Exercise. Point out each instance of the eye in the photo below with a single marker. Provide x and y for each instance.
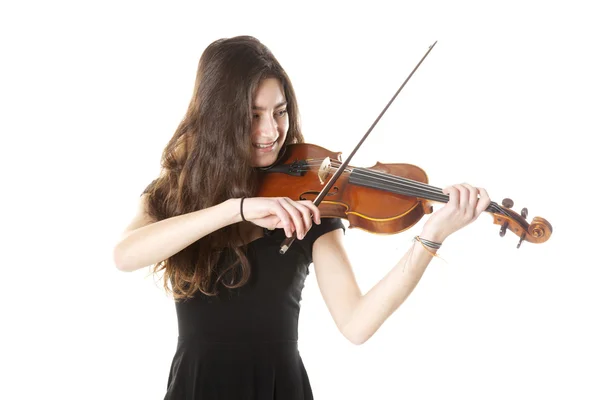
(281, 113)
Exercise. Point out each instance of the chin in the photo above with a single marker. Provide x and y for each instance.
(268, 159)
(263, 162)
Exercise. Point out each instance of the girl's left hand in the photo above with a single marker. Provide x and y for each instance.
(464, 206)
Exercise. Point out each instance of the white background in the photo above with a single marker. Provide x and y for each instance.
(507, 99)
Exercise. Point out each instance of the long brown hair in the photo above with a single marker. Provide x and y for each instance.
(207, 161)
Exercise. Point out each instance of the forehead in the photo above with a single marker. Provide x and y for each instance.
(269, 93)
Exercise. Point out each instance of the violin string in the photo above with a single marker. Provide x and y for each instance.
(383, 175)
(407, 186)
(391, 182)
(420, 187)
(402, 183)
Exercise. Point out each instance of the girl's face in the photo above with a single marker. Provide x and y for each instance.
(270, 122)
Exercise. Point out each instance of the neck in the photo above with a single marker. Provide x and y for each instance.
(403, 186)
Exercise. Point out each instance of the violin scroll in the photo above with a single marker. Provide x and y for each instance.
(538, 231)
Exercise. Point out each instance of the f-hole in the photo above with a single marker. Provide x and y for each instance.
(334, 190)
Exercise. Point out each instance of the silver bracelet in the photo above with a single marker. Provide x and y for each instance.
(428, 243)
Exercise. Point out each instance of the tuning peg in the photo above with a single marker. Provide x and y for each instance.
(503, 229)
(521, 240)
(524, 212)
(508, 203)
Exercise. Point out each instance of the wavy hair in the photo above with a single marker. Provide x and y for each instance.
(208, 160)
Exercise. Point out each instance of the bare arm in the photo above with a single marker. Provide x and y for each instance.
(359, 316)
(146, 242)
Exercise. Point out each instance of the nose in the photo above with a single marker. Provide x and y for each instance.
(267, 129)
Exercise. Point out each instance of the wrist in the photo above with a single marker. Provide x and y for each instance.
(432, 234)
(233, 210)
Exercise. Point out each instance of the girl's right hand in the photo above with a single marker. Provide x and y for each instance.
(282, 213)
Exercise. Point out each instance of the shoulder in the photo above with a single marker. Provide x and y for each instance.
(322, 234)
(149, 188)
(326, 225)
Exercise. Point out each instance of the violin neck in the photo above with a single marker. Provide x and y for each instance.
(403, 186)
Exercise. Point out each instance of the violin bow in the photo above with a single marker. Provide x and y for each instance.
(285, 245)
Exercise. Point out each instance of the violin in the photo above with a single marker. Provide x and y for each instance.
(385, 198)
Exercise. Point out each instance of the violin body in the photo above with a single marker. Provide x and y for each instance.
(384, 199)
(370, 209)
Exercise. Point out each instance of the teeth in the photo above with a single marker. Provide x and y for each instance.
(263, 146)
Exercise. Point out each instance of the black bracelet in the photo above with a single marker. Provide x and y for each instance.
(242, 209)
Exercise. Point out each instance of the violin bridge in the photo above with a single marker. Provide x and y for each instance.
(324, 170)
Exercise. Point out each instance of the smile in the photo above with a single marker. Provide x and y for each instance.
(264, 146)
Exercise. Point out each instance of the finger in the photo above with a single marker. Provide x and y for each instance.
(453, 196)
(286, 222)
(313, 210)
(484, 201)
(471, 202)
(316, 213)
(271, 222)
(286, 203)
(306, 215)
(472, 195)
(463, 201)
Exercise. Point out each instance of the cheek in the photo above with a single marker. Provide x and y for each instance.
(255, 130)
(284, 126)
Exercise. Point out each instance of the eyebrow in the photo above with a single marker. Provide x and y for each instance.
(283, 103)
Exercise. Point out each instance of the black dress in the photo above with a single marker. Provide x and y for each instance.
(242, 344)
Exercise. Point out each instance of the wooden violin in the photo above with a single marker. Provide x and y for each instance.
(384, 198)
